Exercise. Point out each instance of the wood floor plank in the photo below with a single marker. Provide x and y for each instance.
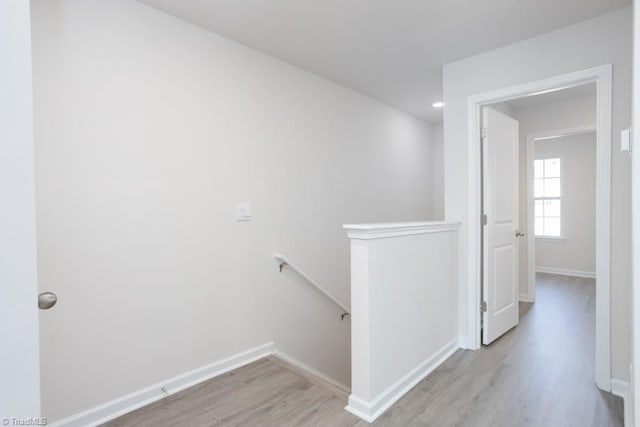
(540, 373)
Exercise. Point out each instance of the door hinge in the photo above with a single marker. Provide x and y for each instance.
(483, 306)
(484, 220)
(483, 133)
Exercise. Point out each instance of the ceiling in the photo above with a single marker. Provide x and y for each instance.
(553, 97)
(391, 50)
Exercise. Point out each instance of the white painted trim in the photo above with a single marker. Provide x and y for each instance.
(110, 410)
(20, 384)
(123, 405)
(561, 133)
(287, 358)
(634, 392)
(395, 229)
(370, 411)
(566, 272)
(621, 388)
(524, 298)
(551, 239)
(530, 139)
(602, 75)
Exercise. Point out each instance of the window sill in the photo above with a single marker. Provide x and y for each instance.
(551, 238)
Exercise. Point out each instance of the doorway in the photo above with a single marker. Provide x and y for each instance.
(601, 77)
(548, 242)
(538, 199)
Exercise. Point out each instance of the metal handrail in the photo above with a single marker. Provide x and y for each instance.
(284, 261)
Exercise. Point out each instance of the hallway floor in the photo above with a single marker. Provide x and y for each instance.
(541, 373)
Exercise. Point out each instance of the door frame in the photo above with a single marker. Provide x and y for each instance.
(20, 360)
(602, 76)
(634, 392)
(531, 139)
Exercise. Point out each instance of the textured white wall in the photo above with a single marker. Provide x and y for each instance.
(603, 40)
(148, 132)
(577, 250)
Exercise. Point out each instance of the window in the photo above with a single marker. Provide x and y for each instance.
(547, 193)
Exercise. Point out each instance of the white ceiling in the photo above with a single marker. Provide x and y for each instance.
(553, 97)
(391, 50)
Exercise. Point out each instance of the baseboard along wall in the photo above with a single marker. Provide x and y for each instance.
(371, 410)
(118, 407)
(566, 272)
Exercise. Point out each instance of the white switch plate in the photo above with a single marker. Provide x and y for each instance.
(243, 211)
(625, 141)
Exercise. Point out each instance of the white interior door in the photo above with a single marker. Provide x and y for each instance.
(500, 234)
(19, 358)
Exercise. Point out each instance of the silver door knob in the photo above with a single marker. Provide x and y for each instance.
(46, 300)
(519, 234)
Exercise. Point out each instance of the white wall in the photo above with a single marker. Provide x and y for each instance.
(576, 251)
(606, 39)
(570, 113)
(19, 365)
(148, 132)
(437, 170)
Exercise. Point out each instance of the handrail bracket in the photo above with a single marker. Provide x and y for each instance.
(282, 264)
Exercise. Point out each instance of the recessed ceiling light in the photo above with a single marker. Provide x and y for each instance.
(438, 104)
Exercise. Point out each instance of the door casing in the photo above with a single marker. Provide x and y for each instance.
(602, 76)
(20, 355)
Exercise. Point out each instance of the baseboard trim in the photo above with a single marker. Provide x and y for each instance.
(110, 410)
(566, 272)
(312, 374)
(370, 411)
(525, 298)
(621, 388)
(464, 344)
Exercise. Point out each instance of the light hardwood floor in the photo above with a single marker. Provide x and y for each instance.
(541, 373)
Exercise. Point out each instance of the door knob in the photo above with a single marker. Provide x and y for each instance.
(46, 300)
(519, 234)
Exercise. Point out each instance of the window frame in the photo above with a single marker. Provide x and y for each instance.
(560, 198)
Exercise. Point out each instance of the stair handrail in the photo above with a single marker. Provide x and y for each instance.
(284, 261)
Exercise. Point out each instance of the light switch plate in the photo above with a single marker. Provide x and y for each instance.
(243, 211)
(625, 141)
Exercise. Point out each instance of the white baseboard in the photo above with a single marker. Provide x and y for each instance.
(312, 373)
(462, 343)
(371, 410)
(566, 272)
(110, 410)
(118, 407)
(621, 388)
(525, 298)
